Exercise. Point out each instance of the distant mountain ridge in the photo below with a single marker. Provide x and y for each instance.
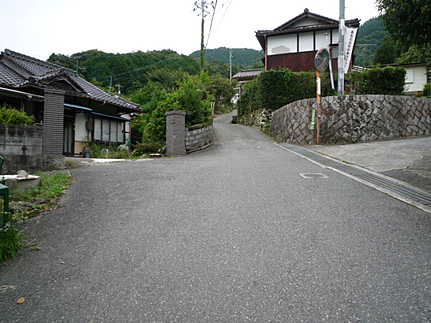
(245, 57)
(370, 37)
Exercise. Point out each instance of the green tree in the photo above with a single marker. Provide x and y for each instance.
(408, 21)
(387, 53)
(191, 96)
(416, 54)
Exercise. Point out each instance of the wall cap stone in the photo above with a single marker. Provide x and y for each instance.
(176, 112)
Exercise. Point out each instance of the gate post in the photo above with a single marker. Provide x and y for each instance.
(175, 133)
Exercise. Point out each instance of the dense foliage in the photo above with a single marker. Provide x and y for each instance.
(416, 54)
(388, 52)
(387, 80)
(130, 71)
(194, 94)
(276, 88)
(407, 21)
(240, 56)
(12, 116)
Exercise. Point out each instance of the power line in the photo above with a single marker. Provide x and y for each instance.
(211, 24)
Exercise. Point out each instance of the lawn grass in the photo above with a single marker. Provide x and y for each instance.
(29, 203)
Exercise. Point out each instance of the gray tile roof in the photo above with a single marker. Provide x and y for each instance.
(17, 70)
(247, 74)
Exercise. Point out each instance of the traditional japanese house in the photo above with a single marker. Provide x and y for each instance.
(72, 110)
(294, 44)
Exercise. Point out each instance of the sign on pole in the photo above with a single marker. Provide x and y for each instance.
(349, 43)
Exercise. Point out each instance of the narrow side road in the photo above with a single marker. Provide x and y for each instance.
(230, 234)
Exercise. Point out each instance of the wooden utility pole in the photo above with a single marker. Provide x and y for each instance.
(203, 4)
(318, 96)
(341, 48)
(230, 65)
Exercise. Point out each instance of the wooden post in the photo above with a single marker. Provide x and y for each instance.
(318, 94)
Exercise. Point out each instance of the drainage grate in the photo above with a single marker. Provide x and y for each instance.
(404, 191)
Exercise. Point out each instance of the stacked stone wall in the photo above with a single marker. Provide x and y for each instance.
(197, 139)
(351, 119)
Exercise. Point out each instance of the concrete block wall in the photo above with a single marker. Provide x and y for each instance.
(19, 140)
(22, 147)
(351, 119)
(197, 139)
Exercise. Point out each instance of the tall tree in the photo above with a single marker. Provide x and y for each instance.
(388, 52)
(408, 21)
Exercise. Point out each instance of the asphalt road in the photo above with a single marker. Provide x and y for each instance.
(231, 234)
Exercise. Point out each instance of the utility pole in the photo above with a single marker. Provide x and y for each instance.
(203, 4)
(230, 65)
(341, 48)
(110, 83)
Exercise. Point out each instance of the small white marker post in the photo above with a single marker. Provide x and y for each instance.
(320, 63)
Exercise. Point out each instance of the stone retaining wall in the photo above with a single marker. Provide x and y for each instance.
(197, 139)
(351, 119)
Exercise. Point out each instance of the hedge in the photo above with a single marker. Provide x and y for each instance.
(381, 80)
(276, 88)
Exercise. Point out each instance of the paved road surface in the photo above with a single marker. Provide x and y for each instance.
(407, 159)
(232, 234)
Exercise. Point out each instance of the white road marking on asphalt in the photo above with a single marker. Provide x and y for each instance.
(383, 190)
(312, 175)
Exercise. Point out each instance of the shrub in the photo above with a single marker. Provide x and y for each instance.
(248, 99)
(191, 96)
(108, 151)
(427, 90)
(148, 148)
(11, 241)
(381, 80)
(12, 116)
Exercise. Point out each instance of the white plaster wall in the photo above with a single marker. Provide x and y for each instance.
(97, 129)
(282, 44)
(306, 42)
(416, 78)
(80, 130)
(335, 36)
(323, 39)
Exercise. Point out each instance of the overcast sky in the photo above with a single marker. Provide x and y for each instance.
(41, 27)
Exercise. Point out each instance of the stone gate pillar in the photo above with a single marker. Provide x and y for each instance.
(53, 122)
(175, 133)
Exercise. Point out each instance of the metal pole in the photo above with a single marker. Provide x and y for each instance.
(318, 94)
(341, 48)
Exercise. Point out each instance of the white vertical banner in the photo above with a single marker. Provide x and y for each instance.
(349, 43)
